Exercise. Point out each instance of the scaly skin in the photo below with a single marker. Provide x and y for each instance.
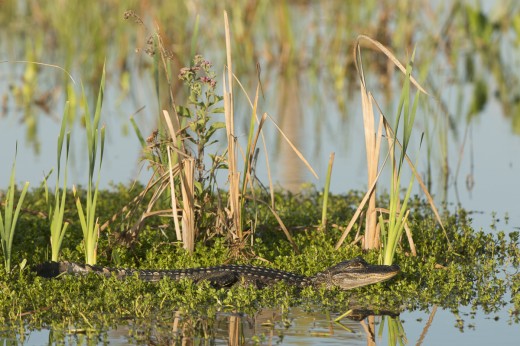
(345, 275)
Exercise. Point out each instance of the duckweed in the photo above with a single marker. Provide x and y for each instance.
(478, 270)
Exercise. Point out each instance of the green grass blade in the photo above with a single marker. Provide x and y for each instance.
(249, 148)
(102, 149)
(326, 190)
(81, 213)
(138, 133)
(9, 203)
(15, 217)
(95, 137)
(193, 48)
(8, 222)
(58, 209)
(99, 103)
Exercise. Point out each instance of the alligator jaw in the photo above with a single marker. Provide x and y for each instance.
(355, 273)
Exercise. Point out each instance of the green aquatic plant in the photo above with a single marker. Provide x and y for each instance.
(57, 207)
(467, 276)
(373, 138)
(199, 113)
(177, 150)
(396, 332)
(178, 153)
(9, 220)
(378, 228)
(95, 145)
(392, 228)
(326, 190)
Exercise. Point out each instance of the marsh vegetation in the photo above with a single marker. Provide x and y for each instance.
(210, 73)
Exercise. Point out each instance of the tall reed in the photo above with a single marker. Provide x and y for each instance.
(95, 146)
(235, 214)
(373, 135)
(8, 222)
(57, 207)
(237, 190)
(326, 190)
(392, 228)
(178, 152)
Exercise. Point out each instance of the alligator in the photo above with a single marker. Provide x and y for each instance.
(345, 275)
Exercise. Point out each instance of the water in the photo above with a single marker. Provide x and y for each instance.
(488, 157)
(436, 327)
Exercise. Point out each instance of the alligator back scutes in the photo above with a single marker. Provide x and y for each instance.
(345, 275)
(228, 275)
(218, 276)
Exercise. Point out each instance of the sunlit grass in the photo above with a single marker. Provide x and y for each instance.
(234, 198)
(326, 191)
(57, 207)
(10, 218)
(178, 151)
(95, 146)
(391, 227)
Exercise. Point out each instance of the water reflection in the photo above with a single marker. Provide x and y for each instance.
(465, 53)
(291, 121)
(270, 326)
(267, 327)
(465, 50)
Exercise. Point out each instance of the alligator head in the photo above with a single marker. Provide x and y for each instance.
(354, 273)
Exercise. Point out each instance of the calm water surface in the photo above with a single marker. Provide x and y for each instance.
(438, 327)
(488, 157)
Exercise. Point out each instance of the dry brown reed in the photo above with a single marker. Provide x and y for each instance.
(373, 137)
(234, 213)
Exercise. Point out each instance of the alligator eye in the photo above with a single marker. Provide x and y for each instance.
(357, 263)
